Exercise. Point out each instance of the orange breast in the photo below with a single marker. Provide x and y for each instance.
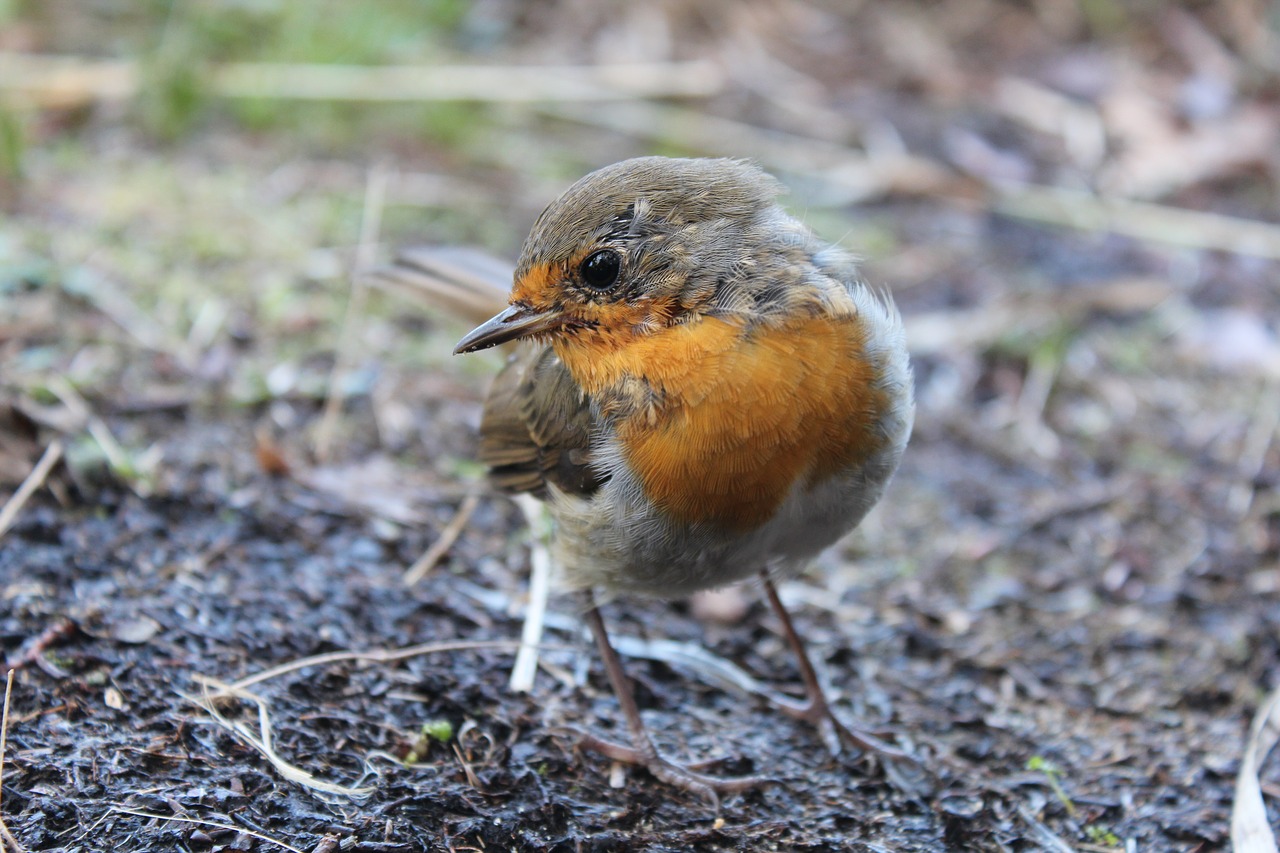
(745, 416)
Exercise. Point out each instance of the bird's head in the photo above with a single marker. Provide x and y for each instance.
(634, 248)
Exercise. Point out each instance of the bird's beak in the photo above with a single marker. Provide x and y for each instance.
(518, 321)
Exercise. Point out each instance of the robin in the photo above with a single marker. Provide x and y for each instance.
(706, 393)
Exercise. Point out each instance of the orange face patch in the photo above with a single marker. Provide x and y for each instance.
(612, 324)
(537, 286)
(746, 415)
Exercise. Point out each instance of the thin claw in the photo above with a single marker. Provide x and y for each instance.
(835, 732)
(676, 775)
(833, 736)
(904, 770)
(817, 711)
(644, 753)
(610, 748)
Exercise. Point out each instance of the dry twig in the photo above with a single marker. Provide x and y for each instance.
(262, 740)
(33, 481)
(441, 546)
(698, 78)
(373, 656)
(472, 779)
(53, 82)
(7, 841)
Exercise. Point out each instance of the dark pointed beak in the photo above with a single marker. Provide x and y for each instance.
(518, 321)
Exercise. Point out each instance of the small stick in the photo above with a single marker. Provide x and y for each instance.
(525, 668)
(4, 729)
(697, 78)
(262, 742)
(53, 81)
(33, 481)
(441, 546)
(472, 779)
(7, 841)
(375, 656)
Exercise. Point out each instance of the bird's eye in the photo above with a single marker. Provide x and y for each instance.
(600, 270)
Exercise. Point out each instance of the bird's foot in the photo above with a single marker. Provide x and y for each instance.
(686, 777)
(835, 733)
(904, 770)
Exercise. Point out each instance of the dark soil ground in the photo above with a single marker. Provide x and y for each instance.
(1068, 605)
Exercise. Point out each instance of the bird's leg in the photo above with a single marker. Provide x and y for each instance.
(643, 752)
(816, 709)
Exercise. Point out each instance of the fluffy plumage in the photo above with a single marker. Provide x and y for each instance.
(737, 401)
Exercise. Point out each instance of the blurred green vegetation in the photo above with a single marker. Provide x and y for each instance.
(183, 242)
(337, 31)
(173, 40)
(12, 146)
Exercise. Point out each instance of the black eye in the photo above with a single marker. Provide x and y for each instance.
(600, 270)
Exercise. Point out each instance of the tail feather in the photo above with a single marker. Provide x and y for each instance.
(466, 283)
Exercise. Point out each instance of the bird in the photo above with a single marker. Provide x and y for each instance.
(700, 389)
